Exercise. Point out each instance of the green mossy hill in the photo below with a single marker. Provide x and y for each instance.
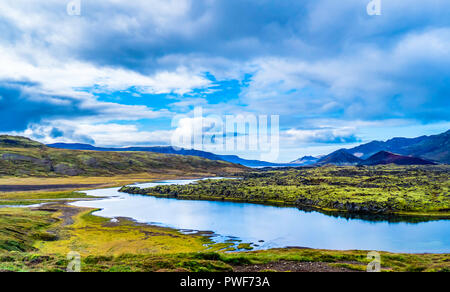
(381, 189)
(7, 141)
(23, 157)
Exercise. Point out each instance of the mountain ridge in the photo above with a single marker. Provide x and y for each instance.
(385, 157)
(171, 150)
(20, 156)
(433, 147)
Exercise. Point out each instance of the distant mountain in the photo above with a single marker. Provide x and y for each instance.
(305, 160)
(75, 146)
(156, 149)
(384, 157)
(249, 163)
(171, 150)
(340, 157)
(434, 148)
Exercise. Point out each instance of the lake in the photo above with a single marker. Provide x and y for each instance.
(271, 227)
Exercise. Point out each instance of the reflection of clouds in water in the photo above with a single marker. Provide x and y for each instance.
(278, 227)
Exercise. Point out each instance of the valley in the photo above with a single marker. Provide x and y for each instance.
(45, 195)
(38, 239)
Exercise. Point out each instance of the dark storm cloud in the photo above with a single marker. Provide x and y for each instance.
(24, 103)
(319, 31)
(126, 34)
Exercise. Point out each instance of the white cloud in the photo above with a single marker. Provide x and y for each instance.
(325, 135)
(320, 64)
(103, 135)
(64, 78)
(363, 84)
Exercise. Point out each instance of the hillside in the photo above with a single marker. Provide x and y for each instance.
(169, 150)
(24, 157)
(435, 148)
(340, 157)
(384, 157)
(18, 142)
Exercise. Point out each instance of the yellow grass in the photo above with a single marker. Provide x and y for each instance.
(92, 235)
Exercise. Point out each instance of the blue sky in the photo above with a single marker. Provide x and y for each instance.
(119, 73)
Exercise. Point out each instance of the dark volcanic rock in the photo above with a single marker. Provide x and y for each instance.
(17, 157)
(66, 170)
(384, 157)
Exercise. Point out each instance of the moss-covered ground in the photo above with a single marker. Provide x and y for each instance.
(39, 240)
(407, 190)
(22, 157)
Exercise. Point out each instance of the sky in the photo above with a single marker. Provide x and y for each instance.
(121, 72)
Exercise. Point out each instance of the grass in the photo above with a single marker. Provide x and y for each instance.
(96, 235)
(42, 195)
(20, 228)
(34, 198)
(406, 190)
(221, 262)
(40, 241)
(101, 181)
(21, 157)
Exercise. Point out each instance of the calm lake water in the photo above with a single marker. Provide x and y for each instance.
(270, 227)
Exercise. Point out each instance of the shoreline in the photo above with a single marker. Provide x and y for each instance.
(289, 258)
(391, 218)
(307, 208)
(30, 185)
(384, 191)
(207, 235)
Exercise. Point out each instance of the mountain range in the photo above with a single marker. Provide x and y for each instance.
(172, 150)
(343, 158)
(435, 148)
(420, 150)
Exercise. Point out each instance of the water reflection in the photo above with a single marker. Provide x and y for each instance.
(269, 227)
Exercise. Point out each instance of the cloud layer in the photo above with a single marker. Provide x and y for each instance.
(326, 67)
